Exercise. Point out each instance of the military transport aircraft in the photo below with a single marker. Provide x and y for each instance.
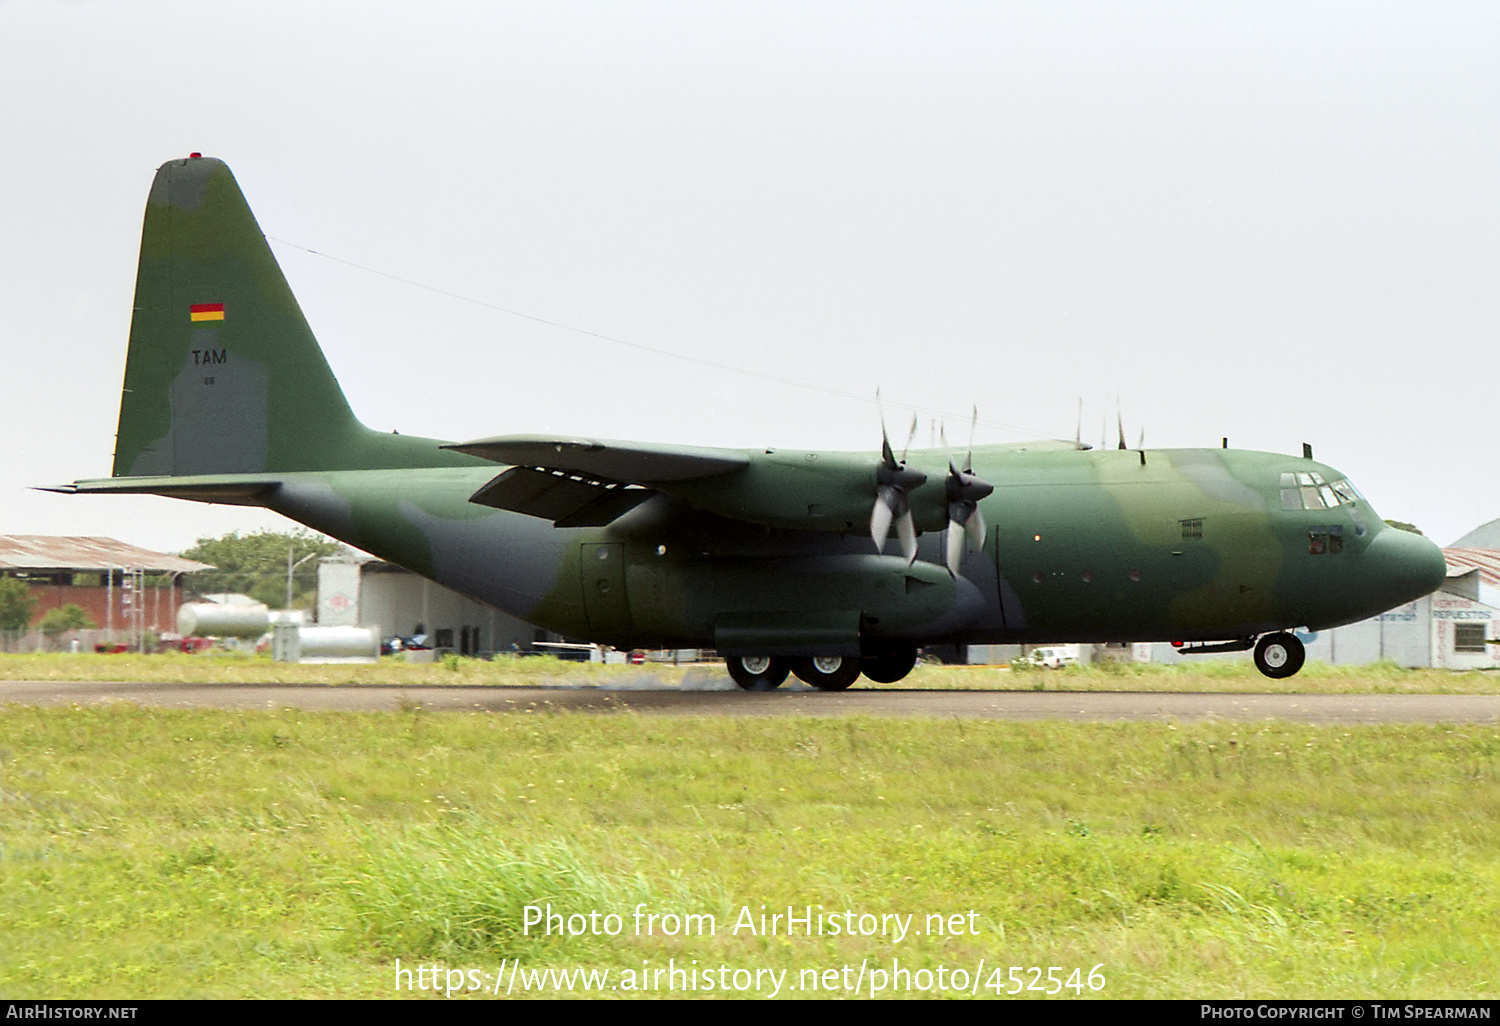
(775, 558)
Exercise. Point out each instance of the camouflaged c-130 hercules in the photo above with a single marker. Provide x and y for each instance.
(773, 557)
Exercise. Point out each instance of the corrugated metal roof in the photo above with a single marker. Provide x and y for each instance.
(48, 552)
(1486, 561)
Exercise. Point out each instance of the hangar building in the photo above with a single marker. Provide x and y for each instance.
(366, 592)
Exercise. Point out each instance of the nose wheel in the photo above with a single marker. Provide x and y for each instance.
(1279, 655)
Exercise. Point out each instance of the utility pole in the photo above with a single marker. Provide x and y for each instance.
(290, 566)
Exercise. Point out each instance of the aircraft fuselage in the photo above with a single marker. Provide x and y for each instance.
(1100, 545)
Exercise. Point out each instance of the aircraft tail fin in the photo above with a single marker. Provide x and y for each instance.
(224, 375)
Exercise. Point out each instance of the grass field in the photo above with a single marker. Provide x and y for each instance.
(1207, 676)
(153, 853)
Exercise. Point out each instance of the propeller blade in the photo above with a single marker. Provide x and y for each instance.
(906, 530)
(966, 521)
(976, 528)
(1120, 423)
(880, 523)
(969, 459)
(955, 547)
(885, 437)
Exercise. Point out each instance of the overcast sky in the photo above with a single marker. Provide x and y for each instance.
(1278, 222)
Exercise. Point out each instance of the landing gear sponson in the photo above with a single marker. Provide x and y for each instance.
(826, 673)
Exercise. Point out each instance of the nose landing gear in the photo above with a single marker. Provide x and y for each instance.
(1279, 655)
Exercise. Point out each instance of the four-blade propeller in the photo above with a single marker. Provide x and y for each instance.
(965, 489)
(894, 481)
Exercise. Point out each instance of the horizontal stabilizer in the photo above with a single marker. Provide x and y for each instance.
(624, 462)
(229, 489)
(565, 499)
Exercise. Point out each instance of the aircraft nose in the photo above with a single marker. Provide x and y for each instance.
(1408, 566)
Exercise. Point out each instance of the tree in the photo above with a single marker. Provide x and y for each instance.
(71, 617)
(256, 564)
(1402, 525)
(17, 604)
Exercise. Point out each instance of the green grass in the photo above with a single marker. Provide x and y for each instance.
(1208, 675)
(172, 853)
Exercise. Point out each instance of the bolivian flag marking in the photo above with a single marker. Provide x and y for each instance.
(206, 312)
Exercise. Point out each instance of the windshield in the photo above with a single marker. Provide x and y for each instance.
(1308, 490)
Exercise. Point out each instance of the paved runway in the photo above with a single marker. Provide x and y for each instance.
(714, 701)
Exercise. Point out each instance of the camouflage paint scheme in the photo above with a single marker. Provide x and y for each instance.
(749, 551)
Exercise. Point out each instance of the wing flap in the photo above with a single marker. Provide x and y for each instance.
(565, 499)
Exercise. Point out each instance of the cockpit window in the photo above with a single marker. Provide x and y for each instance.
(1321, 540)
(1305, 490)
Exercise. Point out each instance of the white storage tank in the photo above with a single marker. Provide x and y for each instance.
(216, 620)
(340, 644)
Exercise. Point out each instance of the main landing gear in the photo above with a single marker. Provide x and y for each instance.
(1279, 655)
(826, 673)
(758, 673)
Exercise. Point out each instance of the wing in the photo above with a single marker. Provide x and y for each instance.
(634, 462)
(584, 482)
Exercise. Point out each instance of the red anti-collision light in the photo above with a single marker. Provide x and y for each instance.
(195, 156)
